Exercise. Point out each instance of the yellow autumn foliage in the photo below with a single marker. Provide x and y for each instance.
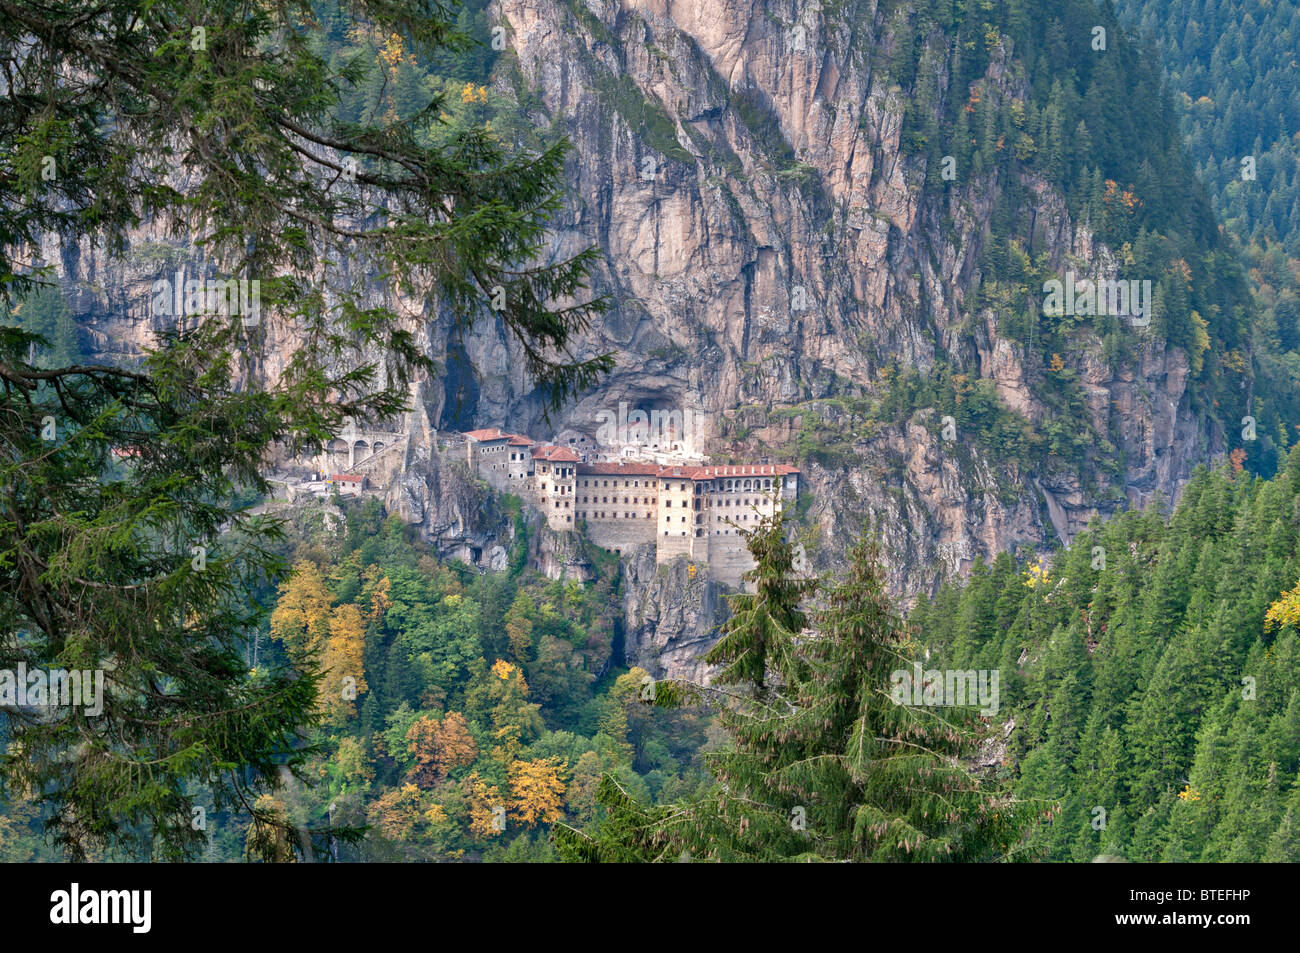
(1036, 575)
(537, 791)
(1285, 611)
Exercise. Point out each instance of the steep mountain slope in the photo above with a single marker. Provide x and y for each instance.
(1234, 68)
(786, 253)
(1148, 675)
(827, 228)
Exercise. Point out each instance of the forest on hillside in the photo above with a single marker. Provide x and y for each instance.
(314, 681)
(1235, 75)
(1150, 671)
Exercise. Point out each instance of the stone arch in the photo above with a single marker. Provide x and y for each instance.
(360, 450)
(336, 455)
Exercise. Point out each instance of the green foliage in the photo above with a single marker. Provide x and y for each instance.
(114, 475)
(512, 654)
(1152, 705)
(1231, 68)
(821, 762)
(1029, 95)
(757, 643)
(45, 313)
(647, 119)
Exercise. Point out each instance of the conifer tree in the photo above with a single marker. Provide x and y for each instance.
(823, 763)
(883, 779)
(121, 549)
(757, 644)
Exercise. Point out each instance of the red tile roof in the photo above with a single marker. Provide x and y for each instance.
(553, 454)
(737, 470)
(496, 433)
(686, 472)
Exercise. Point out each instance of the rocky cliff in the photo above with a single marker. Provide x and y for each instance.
(670, 616)
(770, 250)
(772, 257)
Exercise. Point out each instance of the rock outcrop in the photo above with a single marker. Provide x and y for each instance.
(670, 616)
(768, 246)
(769, 250)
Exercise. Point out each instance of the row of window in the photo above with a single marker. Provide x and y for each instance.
(565, 472)
(601, 515)
(637, 501)
(731, 486)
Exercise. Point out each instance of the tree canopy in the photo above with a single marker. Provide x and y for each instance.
(120, 547)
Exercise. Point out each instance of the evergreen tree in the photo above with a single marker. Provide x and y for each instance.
(882, 777)
(822, 763)
(121, 547)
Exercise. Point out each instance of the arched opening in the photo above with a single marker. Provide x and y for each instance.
(337, 453)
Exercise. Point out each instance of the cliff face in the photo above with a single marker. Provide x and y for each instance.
(670, 616)
(768, 246)
(457, 513)
(769, 251)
